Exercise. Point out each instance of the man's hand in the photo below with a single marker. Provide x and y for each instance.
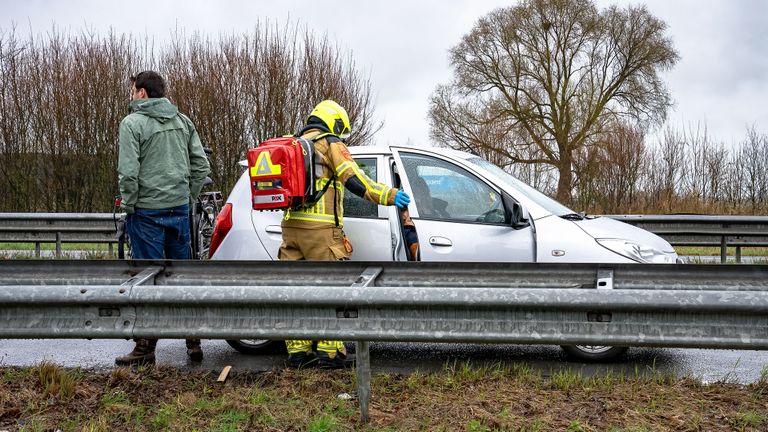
(402, 199)
(126, 208)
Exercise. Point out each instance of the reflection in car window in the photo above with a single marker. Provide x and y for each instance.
(444, 191)
(539, 198)
(354, 206)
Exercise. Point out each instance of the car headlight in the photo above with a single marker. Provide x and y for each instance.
(638, 252)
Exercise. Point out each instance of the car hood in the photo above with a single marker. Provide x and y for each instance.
(605, 227)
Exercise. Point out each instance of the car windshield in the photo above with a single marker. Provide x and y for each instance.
(539, 198)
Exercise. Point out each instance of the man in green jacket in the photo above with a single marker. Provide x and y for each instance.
(161, 167)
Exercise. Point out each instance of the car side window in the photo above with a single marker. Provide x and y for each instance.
(354, 206)
(444, 191)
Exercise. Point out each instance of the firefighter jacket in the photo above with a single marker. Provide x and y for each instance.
(337, 165)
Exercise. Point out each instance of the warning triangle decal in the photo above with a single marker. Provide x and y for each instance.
(264, 166)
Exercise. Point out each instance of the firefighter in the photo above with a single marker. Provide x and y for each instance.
(315, 233)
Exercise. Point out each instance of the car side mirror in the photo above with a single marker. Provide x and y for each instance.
(514, 213)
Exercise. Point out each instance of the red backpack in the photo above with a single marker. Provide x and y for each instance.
(282, 173)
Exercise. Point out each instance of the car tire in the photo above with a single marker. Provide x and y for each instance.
(256, 346)
(593, 353)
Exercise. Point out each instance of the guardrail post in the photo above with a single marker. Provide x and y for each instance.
(363, 362)
(37, 249)
(723, 250)
(738, 254)
(363, 378)
(58, 245)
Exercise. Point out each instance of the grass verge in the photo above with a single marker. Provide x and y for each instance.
(96, 247)
(715, 251)
(459, 398)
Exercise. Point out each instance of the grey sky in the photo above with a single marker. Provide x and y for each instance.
(721, 78)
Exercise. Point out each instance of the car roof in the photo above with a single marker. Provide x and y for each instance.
(387, 150)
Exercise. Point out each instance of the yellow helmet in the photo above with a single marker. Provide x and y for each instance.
(334, 116)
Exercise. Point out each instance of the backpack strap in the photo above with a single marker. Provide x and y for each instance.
(330, 138)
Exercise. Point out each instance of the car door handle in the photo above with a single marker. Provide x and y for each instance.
(274, 229)
(440, 241)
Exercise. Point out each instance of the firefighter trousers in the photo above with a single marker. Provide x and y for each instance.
(325, 244)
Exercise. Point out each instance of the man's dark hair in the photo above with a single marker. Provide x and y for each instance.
(150, 81)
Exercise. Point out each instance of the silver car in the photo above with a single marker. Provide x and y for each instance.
(464, 208)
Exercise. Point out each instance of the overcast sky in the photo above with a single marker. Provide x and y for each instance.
(721, 78)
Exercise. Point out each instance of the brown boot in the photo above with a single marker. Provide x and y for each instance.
(194, 351)
(143, 353)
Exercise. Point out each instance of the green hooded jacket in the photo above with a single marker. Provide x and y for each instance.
(162, 163)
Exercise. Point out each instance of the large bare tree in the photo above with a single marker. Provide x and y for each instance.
(551, 74)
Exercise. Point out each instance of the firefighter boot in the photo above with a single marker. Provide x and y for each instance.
(143, 353)
(194, 351)
(337, 360)
(333, 355)
(302, 360)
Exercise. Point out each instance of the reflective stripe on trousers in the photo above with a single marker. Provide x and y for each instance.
(327, 346)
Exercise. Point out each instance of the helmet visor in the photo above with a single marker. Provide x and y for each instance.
(340, 129)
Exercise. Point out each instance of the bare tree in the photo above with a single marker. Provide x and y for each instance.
(62, 98)
(694, 184)
(754, 179)
(243, 89)
(732, 189)
(610, 171)
(551, 74)
(716, 160)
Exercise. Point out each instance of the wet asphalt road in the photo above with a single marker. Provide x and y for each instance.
(704, 365)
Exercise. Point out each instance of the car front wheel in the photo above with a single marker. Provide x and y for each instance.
(593, 353)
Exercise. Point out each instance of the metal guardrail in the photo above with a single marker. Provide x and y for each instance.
(705, 306)
(705, 230)
(58, 228)
(678, 230)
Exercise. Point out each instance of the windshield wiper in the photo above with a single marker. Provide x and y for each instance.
(578, 216)
(573, 216)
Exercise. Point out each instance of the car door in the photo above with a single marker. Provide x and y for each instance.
(365, 223)
(459, 215)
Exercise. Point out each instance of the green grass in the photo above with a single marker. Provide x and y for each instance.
(462, 396)
(566, 379)
(475, 425)
(323, 423)
(750, 419)
(715, 251)
(165, 414)
(90, 251)
(52, 246)
(56, 381)
(630, 429)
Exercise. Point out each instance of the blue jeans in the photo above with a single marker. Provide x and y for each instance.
(159, 233)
